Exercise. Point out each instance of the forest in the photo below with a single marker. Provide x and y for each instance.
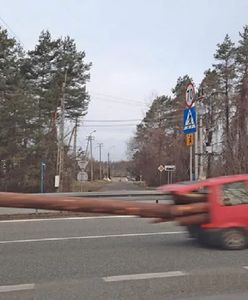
(32, 84)
(223, 104)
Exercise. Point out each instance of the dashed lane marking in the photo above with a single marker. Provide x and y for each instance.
(15, 288)
(143, 276)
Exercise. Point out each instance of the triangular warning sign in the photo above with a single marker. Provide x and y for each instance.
(189, 123)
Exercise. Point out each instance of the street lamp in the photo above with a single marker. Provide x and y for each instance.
(42, 176)
(92, 132)
(108, 173)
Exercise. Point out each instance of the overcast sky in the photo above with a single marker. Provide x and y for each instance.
(138, 49)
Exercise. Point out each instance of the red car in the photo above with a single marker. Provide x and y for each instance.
(228, 201)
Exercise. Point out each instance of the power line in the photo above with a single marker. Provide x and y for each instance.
(117, 99)
(120, 102)
(175, 116)
(114, 121)
(118, 125)
(120, 98)
(109, 125)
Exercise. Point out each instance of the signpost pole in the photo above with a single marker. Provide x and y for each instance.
(190, 163)
(189, 121)
(42, 171)
(196, 155)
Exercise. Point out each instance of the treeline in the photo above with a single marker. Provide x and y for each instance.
(223, 104)
(31, 86)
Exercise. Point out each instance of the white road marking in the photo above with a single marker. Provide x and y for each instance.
(15, 288)
(144, 276)
(245, 267)
(92, 237)
(64, 219)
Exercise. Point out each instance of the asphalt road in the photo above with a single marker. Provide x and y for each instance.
(114, 258)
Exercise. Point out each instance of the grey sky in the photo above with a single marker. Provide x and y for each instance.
(138, 48)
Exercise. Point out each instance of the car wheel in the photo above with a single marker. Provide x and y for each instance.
(234, 239)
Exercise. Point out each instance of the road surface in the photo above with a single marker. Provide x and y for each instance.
(114, 258)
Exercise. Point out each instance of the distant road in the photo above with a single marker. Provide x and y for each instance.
(121, 186)
(114, 258)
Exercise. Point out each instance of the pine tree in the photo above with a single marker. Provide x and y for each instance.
(16, 114)
(71, 62)
(225, 68)
(30, 93)
(55, 69)
(210, 87)
(40, 70)
(241, 117)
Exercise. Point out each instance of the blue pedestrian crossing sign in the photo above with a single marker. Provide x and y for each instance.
(189, 120)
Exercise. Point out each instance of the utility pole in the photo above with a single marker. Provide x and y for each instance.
(199, 152)
(91, 159)
(201, 147)
(90, 139)
(209, 132)
(61, 139)
(108, 173)
(196, 145)
(100, 145)
(75, 139)
(108, 165)
(196, 155)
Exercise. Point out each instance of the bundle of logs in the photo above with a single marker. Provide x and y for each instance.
(186, 209)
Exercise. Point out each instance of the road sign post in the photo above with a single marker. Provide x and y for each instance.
(190, 163)
(189, 120)
(190, 95)
(160, 169)
(170, 169)
(189, 140)
(189, 123)
(82, 176)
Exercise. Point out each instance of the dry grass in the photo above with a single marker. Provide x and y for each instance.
(88, 186)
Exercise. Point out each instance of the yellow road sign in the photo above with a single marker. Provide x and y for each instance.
(189, 139)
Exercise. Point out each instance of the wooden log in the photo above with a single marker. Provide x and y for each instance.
(189, 209)
(185, 214)
(91, 205)
(196, 219)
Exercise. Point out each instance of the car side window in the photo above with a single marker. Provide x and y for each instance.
(235, 193)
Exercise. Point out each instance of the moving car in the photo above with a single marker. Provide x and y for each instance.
(228, 209)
